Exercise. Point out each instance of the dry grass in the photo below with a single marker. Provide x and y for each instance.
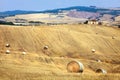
(66, 43)
(44, 17)
(35, 76)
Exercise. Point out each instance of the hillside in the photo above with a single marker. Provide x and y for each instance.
(113, 11)
(70, 15)
(65, 43)
(89, 9)
(14, 12)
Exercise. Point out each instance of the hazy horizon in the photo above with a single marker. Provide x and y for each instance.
(30, 5)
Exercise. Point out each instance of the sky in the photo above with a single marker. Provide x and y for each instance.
(39, 5)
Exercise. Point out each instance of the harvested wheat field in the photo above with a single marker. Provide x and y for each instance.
(43, 52)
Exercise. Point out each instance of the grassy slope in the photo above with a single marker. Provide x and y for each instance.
(66, 43)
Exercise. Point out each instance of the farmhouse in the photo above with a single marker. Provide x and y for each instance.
(93, 21)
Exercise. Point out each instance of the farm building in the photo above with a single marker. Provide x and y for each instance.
(93, 21)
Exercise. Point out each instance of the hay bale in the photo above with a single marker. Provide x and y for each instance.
(75, 66)
(93, 50)
(45, 47)
(101, 71)
(98, 60)
(113, 37)
(7, 51)
(7, 45)
(24, 53)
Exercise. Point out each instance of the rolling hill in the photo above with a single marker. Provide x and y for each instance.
(65, 43)
(92, 9)
(70, 15)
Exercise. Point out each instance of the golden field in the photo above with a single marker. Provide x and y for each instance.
(66, 43)
(44, 17)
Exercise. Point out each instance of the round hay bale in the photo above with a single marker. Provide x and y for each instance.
(101, 71)
(113, 37)
(7, 51)
(24, 53)
(93, 50)
(75, 66)
(98, 60)
(45, 47)
(7, 45)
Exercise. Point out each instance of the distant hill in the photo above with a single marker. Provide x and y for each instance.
(88, 9)
(112, 11)
(15, 12)
(83, 14)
